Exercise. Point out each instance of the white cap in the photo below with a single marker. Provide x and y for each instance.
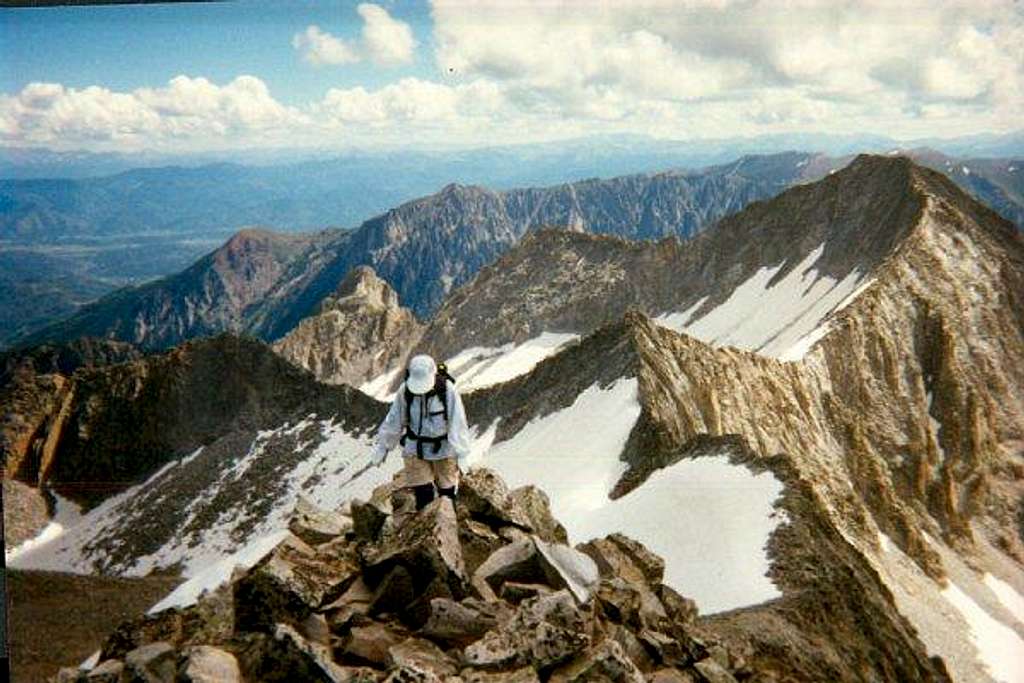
(422, 370)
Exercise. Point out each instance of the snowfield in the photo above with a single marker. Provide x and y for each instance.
(783, 320)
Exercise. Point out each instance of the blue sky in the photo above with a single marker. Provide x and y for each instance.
(337, 74)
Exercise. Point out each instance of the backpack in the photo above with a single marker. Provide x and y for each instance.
(440, 389)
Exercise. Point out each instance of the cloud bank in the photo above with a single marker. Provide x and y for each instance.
(542, 70)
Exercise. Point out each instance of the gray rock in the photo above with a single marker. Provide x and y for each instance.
(535, 503)
(314, 525)
(152, 663)
(109, 671)
(206, 664)
(565, 567)
(518, 562)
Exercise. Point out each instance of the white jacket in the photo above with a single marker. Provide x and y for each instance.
(427, 420)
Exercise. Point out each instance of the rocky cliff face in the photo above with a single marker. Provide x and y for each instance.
(358, 333)
(485, 591)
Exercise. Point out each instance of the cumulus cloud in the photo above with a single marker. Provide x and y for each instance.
(824, 58)
(319, 47)
(384, 40)
(185, 110)
(389, 42)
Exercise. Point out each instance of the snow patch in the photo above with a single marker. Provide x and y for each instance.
(783, 320)
(999, 647)
(966, 170)
(721, 515)
(1008, 596)
(481, 367)
(380, 387)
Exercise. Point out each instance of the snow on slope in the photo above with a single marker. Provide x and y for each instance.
(67, 515)
(783, 320)
(481, 367)
(322, 474)
(708, 519)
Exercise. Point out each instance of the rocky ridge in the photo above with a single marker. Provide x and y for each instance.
(358, 333)
(487, 590)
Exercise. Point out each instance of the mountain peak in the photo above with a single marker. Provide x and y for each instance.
(362, 287)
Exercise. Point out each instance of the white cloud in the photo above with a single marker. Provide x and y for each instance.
(319, 47)
(385, 40)
(187, 110)
(388, 41)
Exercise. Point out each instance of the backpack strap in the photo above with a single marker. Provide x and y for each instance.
(440, 389)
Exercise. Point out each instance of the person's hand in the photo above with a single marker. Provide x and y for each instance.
(378, 456)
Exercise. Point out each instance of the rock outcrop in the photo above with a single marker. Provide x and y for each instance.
(358, 333)
(402, 602)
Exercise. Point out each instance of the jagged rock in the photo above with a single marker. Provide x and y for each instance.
(314, 525)
(315, 629)
(152, 663)
(516, 562)
(109, 671)
(606, 662)
(408, 674)
(666, 650)
(357, 599)
(631, 646)
(712, 672)
(612, 560)
(652, 566)
(287, 656)
(421, 655)
(458, 623)
(370, 643)
(288, 584)
(544, 632)
(619, 601)
(537, 506)
(427, 546)
(478, 543)
(484, 496)
(211, 619)
(205, 664)
(679, 609)
(368, 519)
(394, 593)
(566, 567)
(527, 674)
(514, 592)
(68, 674)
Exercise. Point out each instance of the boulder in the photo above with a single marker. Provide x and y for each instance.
(285, 655)
(537, 507)
(427, 546)
(670, 676)
(457, 623)
(314, 525)
(206, 664)
(516, 562)
(682, 611)
(651, 566)
(484, 496)
(612, 561)
(368, 519)
(619, 602)
(631, 646)
(152, 663)
(605, 662)
(109, 671)
(421, 655)
(565, 567)
(664, 649)
(406, 674)
(515, 593)
(544, 632)
(478, 543)
(394, 593)
(315, 629)
(370, 643)
(288, 584)
(711, 671)
(527, 674)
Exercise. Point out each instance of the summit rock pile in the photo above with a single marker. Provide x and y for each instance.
(486, 590)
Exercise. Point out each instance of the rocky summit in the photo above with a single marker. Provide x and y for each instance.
(486, 590)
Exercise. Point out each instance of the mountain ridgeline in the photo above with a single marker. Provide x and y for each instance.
(424, 249)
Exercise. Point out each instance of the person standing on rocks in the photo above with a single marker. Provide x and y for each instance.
(428, 420)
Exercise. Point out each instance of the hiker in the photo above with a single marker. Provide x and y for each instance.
(428, 420)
